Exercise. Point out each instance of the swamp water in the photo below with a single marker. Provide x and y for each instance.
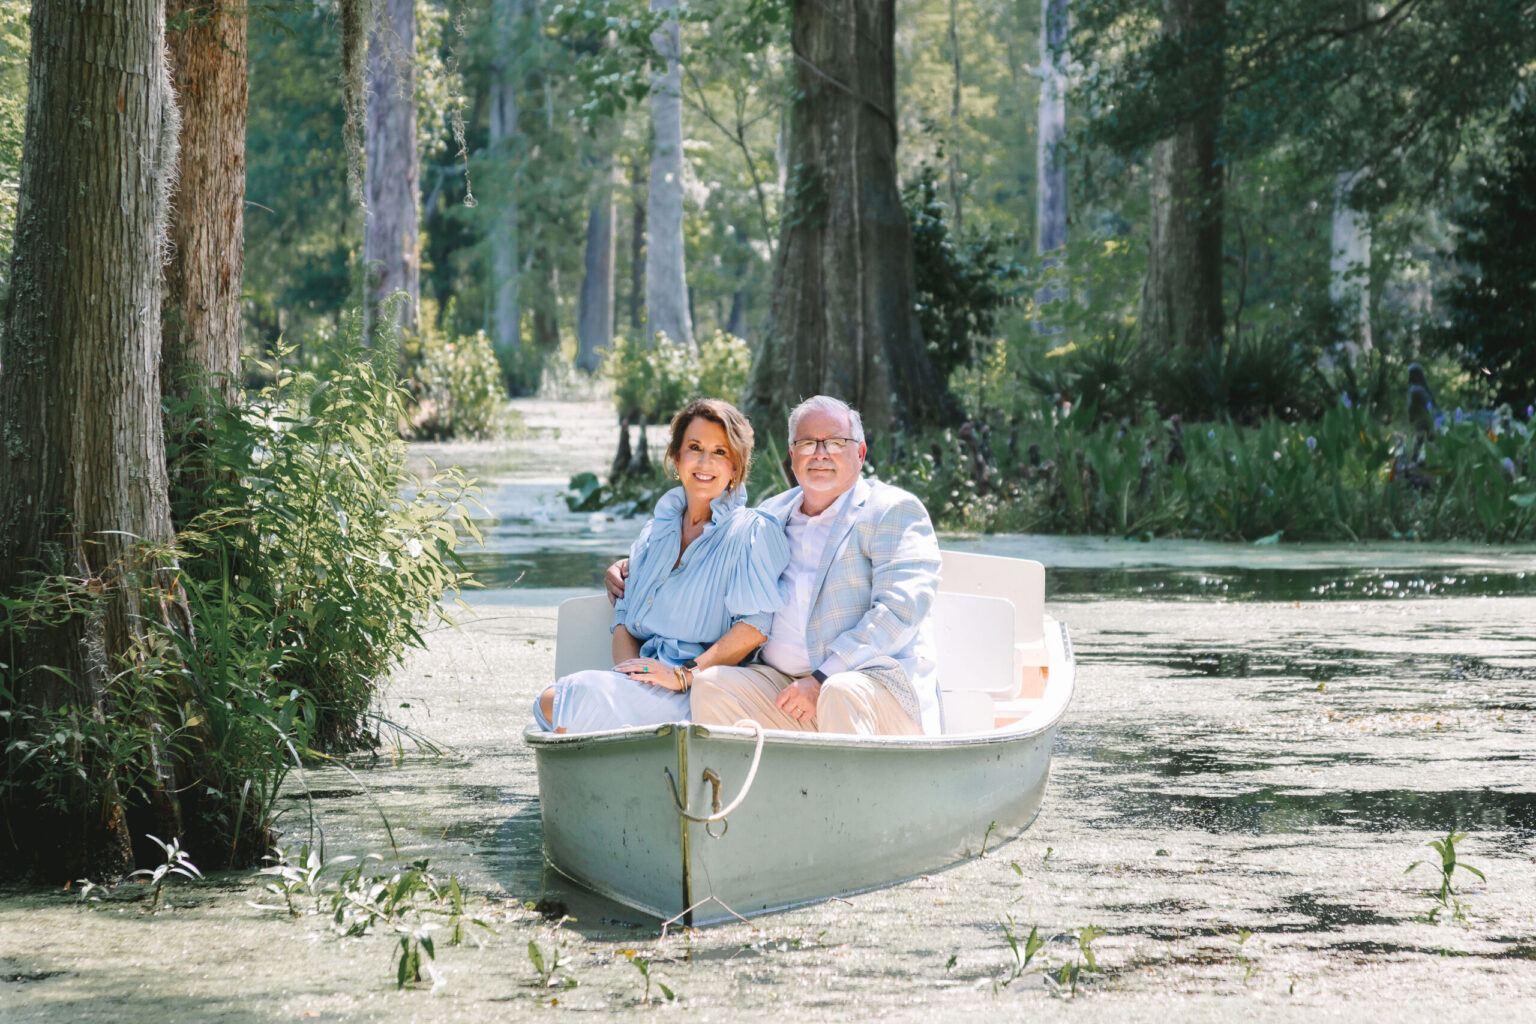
(1262, 741)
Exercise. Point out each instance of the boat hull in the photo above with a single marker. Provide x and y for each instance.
(825, 816)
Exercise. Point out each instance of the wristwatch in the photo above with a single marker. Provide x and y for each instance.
(691, 664)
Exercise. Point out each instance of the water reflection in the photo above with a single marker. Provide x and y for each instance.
(1271, 810)
(1280, 584)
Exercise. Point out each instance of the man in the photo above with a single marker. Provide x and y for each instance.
(852, 649)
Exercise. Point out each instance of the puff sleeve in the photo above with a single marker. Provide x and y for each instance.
(758, 558)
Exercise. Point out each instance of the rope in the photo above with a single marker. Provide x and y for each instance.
(718, 813)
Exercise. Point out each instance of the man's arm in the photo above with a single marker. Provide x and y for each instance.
(613, 579)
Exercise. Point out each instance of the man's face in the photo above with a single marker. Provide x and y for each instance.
(822, 475)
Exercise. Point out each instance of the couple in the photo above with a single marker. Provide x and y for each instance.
(809, 613)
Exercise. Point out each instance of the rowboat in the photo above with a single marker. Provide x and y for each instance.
(703, 824)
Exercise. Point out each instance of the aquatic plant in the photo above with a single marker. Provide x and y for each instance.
(176, 863)
(643, 965)
(1084, 961)
(1021, 956)
(1445, 896)
(1249, 965)
(547, 967)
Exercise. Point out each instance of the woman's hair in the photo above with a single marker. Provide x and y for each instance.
(738, 435)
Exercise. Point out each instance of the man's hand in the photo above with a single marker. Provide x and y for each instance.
(798, 699)
(613, 579)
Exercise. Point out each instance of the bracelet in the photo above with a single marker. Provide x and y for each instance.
(684, 679)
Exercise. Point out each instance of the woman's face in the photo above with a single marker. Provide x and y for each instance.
(704, 464)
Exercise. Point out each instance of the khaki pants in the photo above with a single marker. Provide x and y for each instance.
(850, 702)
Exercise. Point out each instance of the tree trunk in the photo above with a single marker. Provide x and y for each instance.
(1181, 297)
(636, 253)
(594, 316)
(201, 313)
(1051, 165)
(393, 172)
(1350, 264)
(956, 172)
(506, 329)
(841, 320)
(666, 280)
(82, 457)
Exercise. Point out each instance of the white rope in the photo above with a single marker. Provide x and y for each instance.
(746, 787)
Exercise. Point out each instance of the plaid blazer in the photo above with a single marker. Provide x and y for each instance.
(873, 593)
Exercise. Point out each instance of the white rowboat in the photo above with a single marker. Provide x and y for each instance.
(807, 816)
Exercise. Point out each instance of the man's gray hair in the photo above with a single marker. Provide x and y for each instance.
(826, 403)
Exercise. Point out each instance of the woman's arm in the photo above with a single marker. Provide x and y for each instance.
(625, 646)
(739, 641)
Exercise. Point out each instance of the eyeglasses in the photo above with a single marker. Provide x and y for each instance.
(808, 445)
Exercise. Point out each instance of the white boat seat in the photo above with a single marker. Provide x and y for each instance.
(582, 637)
(1021, 581)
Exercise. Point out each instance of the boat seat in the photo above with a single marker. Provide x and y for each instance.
(1021, 581)
(582, 636)
(974, 636)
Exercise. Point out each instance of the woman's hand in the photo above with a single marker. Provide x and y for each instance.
(649, 670)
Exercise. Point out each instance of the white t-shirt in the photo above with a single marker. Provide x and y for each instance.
(807, 536)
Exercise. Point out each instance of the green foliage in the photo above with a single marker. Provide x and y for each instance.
(410, 902)
(1490, 307)
(643, 965)
(309, 555)
(456, 383)
(176, 863)
(548, 967)
(1022, 955)
(1086, 961)
(14, 46)
(652, 382)
(1445, 897)
(1344, 476)
(961, 282)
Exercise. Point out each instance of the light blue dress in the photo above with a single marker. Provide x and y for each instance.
(729, 574)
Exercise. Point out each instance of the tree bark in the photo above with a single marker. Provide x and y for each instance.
(1051, 164)
(666, 279)
(506, 329)
(841, 320)
(1350, 266)
(594, 316)
(393, 171)
(1181, 297)
(636, 252)
(201, 312)
(82, 457)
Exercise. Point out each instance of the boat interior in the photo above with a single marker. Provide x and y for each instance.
(996, 644)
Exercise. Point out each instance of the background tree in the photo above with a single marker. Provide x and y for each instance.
(201, 312)
(82, 464)
(667, 306)
(842, 319)
(393, 168)
(1490, 306)
(1181, 300)
(594, 318)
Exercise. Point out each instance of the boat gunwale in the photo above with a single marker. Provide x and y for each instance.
(1013, 733)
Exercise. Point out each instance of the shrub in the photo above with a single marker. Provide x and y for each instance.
(1491, 305)
(962, 283)
(304, 542)
(456, 384)
(650, 383)
(1342, 476)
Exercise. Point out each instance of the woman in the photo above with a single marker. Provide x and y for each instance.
(702, 590)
